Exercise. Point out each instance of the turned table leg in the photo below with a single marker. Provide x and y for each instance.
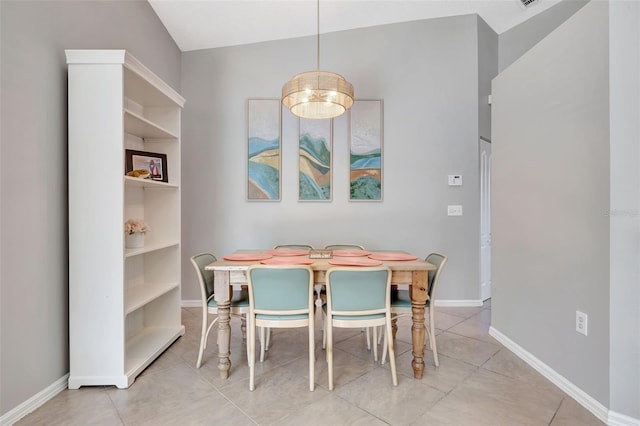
(418, 292)
(221, 283)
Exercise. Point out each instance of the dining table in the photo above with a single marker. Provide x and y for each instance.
(231, 271)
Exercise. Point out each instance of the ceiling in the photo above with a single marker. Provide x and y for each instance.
(204, 24)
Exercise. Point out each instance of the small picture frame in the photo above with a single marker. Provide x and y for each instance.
(155, 163)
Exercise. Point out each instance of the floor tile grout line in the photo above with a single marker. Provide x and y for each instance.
(469, 377)
(556, 412)
(220, 391)
(113, 404)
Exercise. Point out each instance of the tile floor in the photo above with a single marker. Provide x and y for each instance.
(479, 382)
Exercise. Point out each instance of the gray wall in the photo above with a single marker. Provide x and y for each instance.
(516, 41)
(624, 303)
(427, 74)
(33, 172)
(551, 198)
(487, 70)
(445, 61)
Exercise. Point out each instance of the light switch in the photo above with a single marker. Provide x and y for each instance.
(454, 210)
(455, 180)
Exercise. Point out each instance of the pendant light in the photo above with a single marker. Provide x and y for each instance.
(317, 94)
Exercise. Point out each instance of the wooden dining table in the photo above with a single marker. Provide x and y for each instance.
(413, 273)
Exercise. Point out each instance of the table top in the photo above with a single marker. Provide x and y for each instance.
(323, 264)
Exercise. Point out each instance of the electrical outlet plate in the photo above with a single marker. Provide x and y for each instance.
(454, 210)
(581, 322)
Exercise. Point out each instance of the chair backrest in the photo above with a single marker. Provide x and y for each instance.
(205, 277)
(280, 289)
(294, 246)
(439, 261)
(358, 290)
(344, 247)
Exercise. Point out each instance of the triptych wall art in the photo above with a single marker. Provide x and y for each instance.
(264, 151)
(365, 151)
(314, 148)
(315, 153)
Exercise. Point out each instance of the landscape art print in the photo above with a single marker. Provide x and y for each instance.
(264, 150)
(365, 144)
(314, 181)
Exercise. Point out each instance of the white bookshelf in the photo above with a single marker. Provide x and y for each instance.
(124, 304)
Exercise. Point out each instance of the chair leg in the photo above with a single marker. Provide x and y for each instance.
(392, 353)
(384, 349)
(248, 360)
(262, 342)
(266, 348)
(243, 327)
(329, 330)
(324, 332)
(432, 338)
(252, 353)
(375, 339)
(368, 339)
(312, 355)
(203, 336)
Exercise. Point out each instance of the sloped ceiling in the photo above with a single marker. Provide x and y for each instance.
(204, 24)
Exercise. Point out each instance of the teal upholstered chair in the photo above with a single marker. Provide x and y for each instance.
(293, 246)
(239, 300)
(280, 297)
(401, 301)
(344, 247)
(321, 295)
(358, 297)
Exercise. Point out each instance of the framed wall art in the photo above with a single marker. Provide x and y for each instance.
(314, 164)
(155, 164)
(365, 150)
(264, 149)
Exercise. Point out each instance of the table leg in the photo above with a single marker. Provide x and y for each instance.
(394, 327)
(221, 283)
(418, 292)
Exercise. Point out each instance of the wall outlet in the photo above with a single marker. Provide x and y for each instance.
(581, 322)
(455, 210)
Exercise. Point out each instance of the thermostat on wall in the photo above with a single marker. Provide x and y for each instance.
(455, 180)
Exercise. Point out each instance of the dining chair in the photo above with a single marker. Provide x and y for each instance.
(322, 292)
(285, 246)
(239, 301)
(344, 247)
(293, 246)
(401, 301)
(358, 297)
(280, 296)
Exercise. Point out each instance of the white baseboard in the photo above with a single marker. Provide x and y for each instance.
(35, 401)
(444, 303)
(192, 303)
(611, 418)
(458, 303)
(617, 419)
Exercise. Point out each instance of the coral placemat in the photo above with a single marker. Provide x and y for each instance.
(354, 261)
(350, 253)
(247, 257)
(288, 252)
(392, 256)
(288, 260)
